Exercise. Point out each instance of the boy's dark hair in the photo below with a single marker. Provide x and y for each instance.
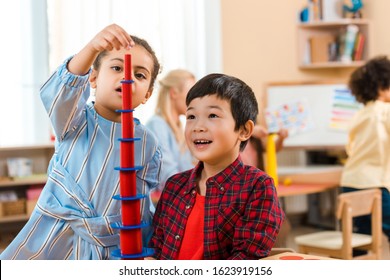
(366, 81)
(242, 99)
(143, 43)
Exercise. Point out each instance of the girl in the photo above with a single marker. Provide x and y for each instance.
(73, 216)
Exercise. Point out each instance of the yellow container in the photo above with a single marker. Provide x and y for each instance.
(271, 166)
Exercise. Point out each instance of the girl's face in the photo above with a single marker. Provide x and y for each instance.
(107, 81)
(210, 133)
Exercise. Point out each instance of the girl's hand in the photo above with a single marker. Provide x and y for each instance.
(283, 133)
(259, 132)
(111, 37)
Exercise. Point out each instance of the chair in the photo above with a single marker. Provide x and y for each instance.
(339, 244)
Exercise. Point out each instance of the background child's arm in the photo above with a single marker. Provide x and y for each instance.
(261, 133)
(282, 134)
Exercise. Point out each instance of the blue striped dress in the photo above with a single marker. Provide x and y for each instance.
(73, 216)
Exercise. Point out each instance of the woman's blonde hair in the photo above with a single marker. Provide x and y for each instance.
(174, 79)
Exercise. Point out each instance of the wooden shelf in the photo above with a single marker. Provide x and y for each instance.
(338, 23)
(326, 30)
(40, 155)
(35, 179)
(335, 64)
(18, 148)
(14, 218)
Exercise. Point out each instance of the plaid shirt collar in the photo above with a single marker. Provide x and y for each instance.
(220, 180)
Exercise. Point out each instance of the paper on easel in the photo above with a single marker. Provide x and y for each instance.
(344, 108)
(294, 116)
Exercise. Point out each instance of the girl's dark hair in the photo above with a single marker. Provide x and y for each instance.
(143, 43)
(366, 81)
(242, 99)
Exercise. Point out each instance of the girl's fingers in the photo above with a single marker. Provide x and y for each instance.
(112, 37)
(121, 37)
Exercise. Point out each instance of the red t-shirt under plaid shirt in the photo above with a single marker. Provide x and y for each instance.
(192, 245)
(242, 213)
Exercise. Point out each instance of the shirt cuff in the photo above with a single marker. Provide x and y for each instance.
(71, 79)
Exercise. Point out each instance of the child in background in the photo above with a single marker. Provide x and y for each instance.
(253, 154)
(166, 124)
(221, 209)
(73, 216)
(368, 148)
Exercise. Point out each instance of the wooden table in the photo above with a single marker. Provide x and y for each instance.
(303, 188)
(307, 180)
(295, 256)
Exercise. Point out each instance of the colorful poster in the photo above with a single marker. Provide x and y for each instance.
(344, 108)
(294, 116)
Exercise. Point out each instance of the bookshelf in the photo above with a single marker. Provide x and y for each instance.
(14, 214)
(317, 38)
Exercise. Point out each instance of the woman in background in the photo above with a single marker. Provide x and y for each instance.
(167, 126)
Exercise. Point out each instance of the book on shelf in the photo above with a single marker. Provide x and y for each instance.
(359, 46)
(320, 47)
(314, 10)
(349, 43)
(331, 10)
(325, 10)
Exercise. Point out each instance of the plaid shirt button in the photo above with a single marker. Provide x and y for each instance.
(177, 237)
(221, 189)
(188, 206)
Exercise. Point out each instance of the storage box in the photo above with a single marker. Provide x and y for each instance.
(19, 167)
(10, 208)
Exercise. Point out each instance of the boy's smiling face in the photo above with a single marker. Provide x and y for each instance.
(107, 81)
(210, 132)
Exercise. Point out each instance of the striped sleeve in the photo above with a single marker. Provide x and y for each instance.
(64, 96)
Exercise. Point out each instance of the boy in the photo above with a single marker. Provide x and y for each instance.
(221, 209)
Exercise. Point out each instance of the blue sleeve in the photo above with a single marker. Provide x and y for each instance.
(64, 96)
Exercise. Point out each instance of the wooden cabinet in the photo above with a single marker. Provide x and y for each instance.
(14, 214)
(320, 43)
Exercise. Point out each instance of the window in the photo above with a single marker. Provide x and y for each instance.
(184, 34)
(24, 58)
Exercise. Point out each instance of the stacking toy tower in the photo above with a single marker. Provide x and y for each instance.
(130, 229)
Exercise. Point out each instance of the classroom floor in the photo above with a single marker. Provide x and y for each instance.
(304, 229)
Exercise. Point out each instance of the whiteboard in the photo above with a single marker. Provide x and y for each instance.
(320, 104)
